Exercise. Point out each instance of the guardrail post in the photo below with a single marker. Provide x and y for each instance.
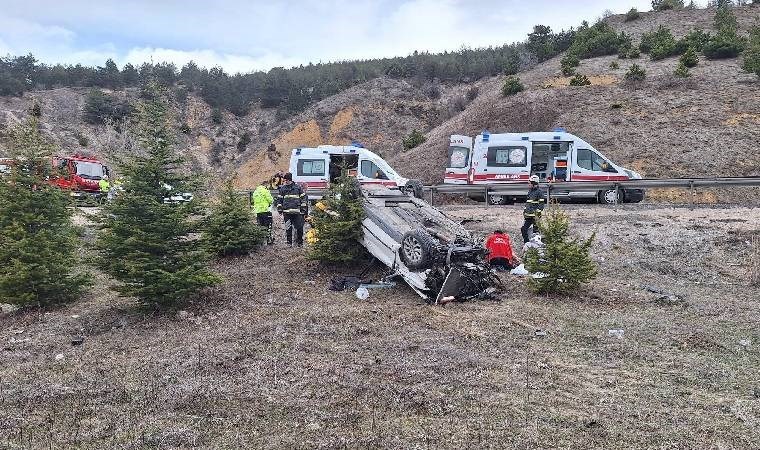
(250, 199)
(693, 193)
(548, 193)
(485, 191)
(617, 193)
(432, 199)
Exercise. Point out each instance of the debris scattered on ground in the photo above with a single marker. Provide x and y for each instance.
(666, 298)
(78, 340)
(362, 293)
(519, 270)
(616, 333)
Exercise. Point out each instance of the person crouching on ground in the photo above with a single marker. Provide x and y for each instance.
(534, 205)
(262, 206)
(500, 254)
(293, 204)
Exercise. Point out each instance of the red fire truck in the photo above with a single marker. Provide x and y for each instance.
(78, 174)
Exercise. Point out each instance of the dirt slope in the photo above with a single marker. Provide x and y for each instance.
(704, 126)
(377, 113)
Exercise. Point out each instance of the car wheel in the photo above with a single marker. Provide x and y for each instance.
(610, 197)
(414, 187)
(417, 250)
(497, 199)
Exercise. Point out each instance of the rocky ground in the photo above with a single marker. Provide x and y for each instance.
(272, 358)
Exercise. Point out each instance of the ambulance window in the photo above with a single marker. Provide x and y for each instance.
(370, 170)
(458, 157)
(584, 159)
(507, 156)
(590, 160)
(311, 167)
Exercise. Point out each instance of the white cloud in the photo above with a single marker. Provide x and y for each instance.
(246, 35)
(208, 58)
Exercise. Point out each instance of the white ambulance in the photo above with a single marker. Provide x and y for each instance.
(316, 167)
(514, 157)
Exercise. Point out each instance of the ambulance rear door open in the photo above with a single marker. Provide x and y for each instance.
(458, 164)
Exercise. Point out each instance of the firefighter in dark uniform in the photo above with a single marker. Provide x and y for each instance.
(293, 204)
(534, 205)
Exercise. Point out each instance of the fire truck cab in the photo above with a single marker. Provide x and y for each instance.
(79, 174)
(317, 167)
(552, 156)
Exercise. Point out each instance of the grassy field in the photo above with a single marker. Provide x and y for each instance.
(272, 358)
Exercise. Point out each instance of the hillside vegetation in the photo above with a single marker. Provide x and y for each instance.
(663, 126)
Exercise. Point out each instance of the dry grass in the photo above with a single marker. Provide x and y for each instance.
(274, 359)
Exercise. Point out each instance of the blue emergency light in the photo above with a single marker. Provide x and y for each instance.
(298, 151)
(525, 138)
(559, 130)
(486, 135)
(356, 144)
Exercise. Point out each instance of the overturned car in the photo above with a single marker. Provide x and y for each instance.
(435, 255)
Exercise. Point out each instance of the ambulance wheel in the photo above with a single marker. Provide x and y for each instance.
(414, 187)
(417, 250)
(498, 199)
(610, 197)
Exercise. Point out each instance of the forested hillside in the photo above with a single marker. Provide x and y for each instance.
(287, 90)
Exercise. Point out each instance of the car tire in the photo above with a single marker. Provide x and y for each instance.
(611, 197)
(414, 187)
(418, 250)
(499, 200)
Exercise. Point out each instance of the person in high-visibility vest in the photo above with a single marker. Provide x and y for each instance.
(534, 205)
(105, 187)
(262, 206)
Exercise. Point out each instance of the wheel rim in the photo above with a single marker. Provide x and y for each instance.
(497, 199)
(611, 196)
(412, 249)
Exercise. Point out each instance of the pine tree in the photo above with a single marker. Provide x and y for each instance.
(229, 228)
(681, 70)
(564, 262)
(38, 242)
(336, 222)
(414, 139)
(690, 58)
(512, 86)
(751, 56)
(146, 243)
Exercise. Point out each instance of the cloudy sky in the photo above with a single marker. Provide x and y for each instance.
(243, 36)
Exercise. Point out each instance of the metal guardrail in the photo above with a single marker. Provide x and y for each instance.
(558, 188)
(520, 189)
